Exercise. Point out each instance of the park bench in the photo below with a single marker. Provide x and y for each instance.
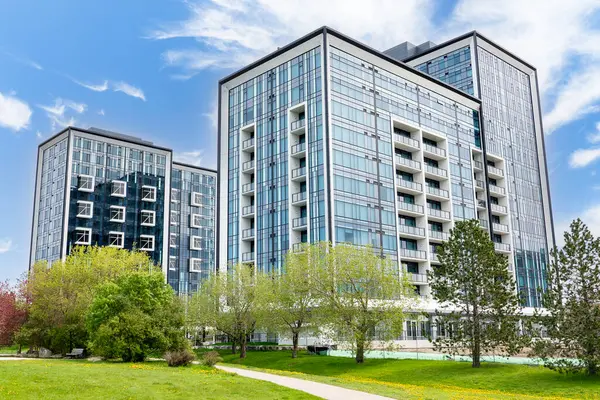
(75, 353)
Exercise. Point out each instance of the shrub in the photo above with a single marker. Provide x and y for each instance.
(211, 358)
(180, 358)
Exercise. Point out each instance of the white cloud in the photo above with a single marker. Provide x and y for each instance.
(38, 134)
(101, 112)
(15, 114)
(193, 157)
(5, 245)
(595, 137)
(129, 90)
(583, 157)
(96, 88)
(56, 112)
(25, 61)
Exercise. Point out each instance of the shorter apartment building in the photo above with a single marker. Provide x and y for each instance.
(95, 187)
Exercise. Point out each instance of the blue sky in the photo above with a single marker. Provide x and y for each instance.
(150, 68)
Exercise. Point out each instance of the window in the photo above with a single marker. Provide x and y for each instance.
(173, 240)
(196, 220)
(85, 209)
(175, 195)
(174, 218)
(117, 214)
(119, 189)
(149, 193)
(116, 239)
(83, 236)
(196, 199)
(195, 243)
(148, 218)
(147, 242)
(86, 183)
(172, 263)
(195, 265)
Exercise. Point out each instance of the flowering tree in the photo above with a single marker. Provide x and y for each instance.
(12, 312)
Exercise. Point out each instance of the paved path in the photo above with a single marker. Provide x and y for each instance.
(322, 390)
(14, 358)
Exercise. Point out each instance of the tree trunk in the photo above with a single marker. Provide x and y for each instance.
(360, 351)
(233, 347)
(243, 346)
(295, 344)
(476, 353)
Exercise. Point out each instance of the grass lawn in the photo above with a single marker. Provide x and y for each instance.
(408, 379)
(65, 379)
(10, 349)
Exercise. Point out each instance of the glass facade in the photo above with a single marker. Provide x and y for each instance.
(453, 68)
(192, 228)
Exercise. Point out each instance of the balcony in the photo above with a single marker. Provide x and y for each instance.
(416, 278)
(436, 192)
(408, 164)
(484, 223)
(497, 189)
(438, 214)
(298, 247)
(497, 208)
(437, 235)
(404, 141)
(298, 150)
(248, 234)
(248, 257)
(435, 171)
(477, 165)
(410, 208)
(414, 254)
(434, 151)
(411, 230)
(502, 247)
(412, 187)
(248, 145)
(297, 127)
(299, 174)
(500, 227)
(248, 188)
(495, 172)
(248, 211)
(479, 184)
(299, 224)
(248, 167)
(481, 204)
(434, 257)
(299, 199)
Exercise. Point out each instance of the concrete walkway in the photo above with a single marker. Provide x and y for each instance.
(4, 358)
(322, 390)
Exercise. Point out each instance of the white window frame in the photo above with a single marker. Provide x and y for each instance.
(193, 199)
(84, 231)
(144, 214)
(176, 221)
(152, 190)
(172, 243)
(88, 178)
(122, 209)
(192, 268)
(119, 236)
(151, 248)
(175, 192)
(193, 223)
(192, 239)
(118, 184)
(90, 204)
(172, 263)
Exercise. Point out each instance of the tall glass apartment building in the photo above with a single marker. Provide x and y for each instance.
(513, 143)
(95, 187)
(328, 139)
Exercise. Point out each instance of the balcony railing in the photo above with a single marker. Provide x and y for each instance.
(437, 192)
(408, 162)
(438, 235)
(418, 278)
(434, 150)
(298, 197)
(298, 247)
(484, 223)
(299, 222)
(477, 164)
(248, 143)
(247, 210)
(248, 233)
(418, 254)
(499, 208)
(248, 165)
(438, 213)
(248, 187)
(295, 125)
(408, 184)
(248, 257)
(411, 230)
(497, 189)
(479, 183)
(298, 148)
(433, 257)
(410, 207)
(495, 171)
(406, 140)
(298, 172)
(502, 246)
(500, 227)
(436, 171)
(481, 203)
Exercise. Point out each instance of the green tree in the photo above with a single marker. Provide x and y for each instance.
(479, 306)
(60, 295)
(229, 302)
(136, 314)
(290, 297)
(360, 294)
(571, 313)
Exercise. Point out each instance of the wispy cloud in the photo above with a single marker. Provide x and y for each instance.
(5, 245)
(101, 112)
(129, 90)
(56, 112)
(96, 88)
(24, 61)
(583, 157)
(595, 136)
(15, 113)
(193, 157)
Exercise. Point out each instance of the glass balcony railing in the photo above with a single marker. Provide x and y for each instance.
(248, 143)
(248, 165)
(484, 223)
(479, 183)
(497, 189)
(438, 213)
(295, 125)
(298, 247)
(436, 171)
(502, 246)
(248, 257)
(408, 184)
(248, 233)
(299, 173)
(434, 150)
(410, 207)
(406, 140)
(433, 257)
(411, 230)
(477, 165)
(248, 210)
(437, 192)
(495, 171)
(298, 148)
(414, 277)
(500, 227)
(248, 187)
(408, 162)
(298, 197)
(409, 253)
(481, 203)
(498, 208)
(438, 235)
(299, 222)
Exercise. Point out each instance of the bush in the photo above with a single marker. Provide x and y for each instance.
(179, 358)
(211, 358)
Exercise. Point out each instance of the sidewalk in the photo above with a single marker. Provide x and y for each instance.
(322, 390)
